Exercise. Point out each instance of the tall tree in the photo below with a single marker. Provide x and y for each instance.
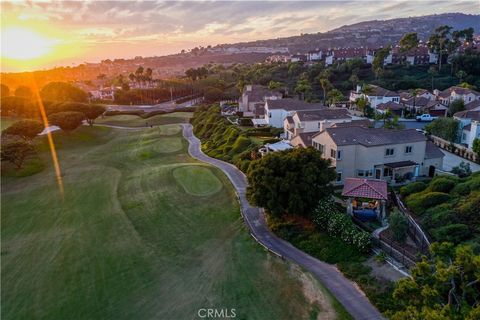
(271, 179)
(354, 80)
(24, 92)
(4, 90)
(444, 286)
(432, 71)
(439, 43)
(67, 120)
(445, 128)
(61, 91)
(335, 96)
(326, 85)
(408, 42)
(379, 59)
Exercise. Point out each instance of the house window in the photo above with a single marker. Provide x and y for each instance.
(368, 173)
(339, 155)
(389, 152)
(333, 153)
(408, 149)
(319, 125)
(339, 176)
(321, 148)
(269, 114)
(360, 173)
(387, 172)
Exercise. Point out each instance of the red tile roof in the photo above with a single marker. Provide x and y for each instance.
(365, 188)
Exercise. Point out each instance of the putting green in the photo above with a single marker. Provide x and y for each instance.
(197, 180)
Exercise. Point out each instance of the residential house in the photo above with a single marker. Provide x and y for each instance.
(415, 56)
(473, 106)
(451, 94)
(314, 55)
(469, 126)
(378, 95)
(253, 95)
(340, 55)
(277, 110)
(394, 107)
(313, 120)
(298, 58)
(370, 55)
(392, 155)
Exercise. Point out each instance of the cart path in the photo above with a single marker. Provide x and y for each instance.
(346, 291)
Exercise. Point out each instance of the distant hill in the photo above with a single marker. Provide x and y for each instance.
(372, 33)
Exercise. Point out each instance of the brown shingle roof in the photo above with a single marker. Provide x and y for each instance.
(472, 105)
(474, 115)
(354, 123)
(382, 92)
(322, 114)
(432, 151)
(390, 105)
(344, 136)
(293, 105)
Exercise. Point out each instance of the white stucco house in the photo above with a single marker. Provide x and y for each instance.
(377, 95)
(278, 109)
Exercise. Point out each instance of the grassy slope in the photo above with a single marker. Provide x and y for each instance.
(127, 241)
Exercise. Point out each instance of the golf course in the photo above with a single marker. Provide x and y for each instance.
(141, 231)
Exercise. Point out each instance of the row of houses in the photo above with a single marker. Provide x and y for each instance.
(356, 149)
(424, 101)
(416, 56)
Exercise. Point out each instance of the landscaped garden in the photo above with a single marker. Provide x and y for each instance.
(141, 230)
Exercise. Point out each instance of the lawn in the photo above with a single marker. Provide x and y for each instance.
(7, 122)
(142, 231)
(136, 121)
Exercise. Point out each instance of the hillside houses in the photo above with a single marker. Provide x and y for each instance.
(392, 155)
(253, 97)
(376, 96)
(276, 110)
(451, 94)
(469, 126)
(306, 121)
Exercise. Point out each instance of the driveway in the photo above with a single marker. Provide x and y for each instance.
(346, 291)
(452, 160)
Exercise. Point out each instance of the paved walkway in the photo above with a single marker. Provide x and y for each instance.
(346, 291)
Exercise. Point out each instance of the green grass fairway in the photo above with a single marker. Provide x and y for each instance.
(136, 121)
(143, 231)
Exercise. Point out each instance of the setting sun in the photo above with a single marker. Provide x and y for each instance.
(23, 44)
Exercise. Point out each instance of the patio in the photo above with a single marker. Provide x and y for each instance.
(366, 198)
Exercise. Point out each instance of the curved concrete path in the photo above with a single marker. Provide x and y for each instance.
(346, 291)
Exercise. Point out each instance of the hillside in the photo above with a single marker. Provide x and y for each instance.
(370, 33)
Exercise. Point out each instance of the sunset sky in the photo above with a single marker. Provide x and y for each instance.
(37, 35)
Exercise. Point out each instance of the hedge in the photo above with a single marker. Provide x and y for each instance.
(412, 188)
(441, 184)
(420, 202)
(455, 233)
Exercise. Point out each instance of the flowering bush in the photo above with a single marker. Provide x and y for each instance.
(339, 225)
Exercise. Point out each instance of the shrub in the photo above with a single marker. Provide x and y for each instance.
(412, 188)
(398, 224)
(24, 128)
(455, 233)
(241, 143)
(68, 120)
(441, 184)
(339, 225)
(420, 202)
(439, 216)
(461, 189)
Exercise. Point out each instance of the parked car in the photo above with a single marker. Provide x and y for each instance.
(426, 117)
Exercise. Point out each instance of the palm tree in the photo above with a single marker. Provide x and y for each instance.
(460, 75)
(433, 72)
(414, 93)
(325, 86)
(354, 80)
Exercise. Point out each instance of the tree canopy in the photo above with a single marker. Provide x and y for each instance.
(290, 181)
(4, 90)
(444, 286)
(25, 128)
(15, 149)
(445, 128)
(67, 120)
(61, 91)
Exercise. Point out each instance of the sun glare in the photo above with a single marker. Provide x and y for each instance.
(24, 44)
